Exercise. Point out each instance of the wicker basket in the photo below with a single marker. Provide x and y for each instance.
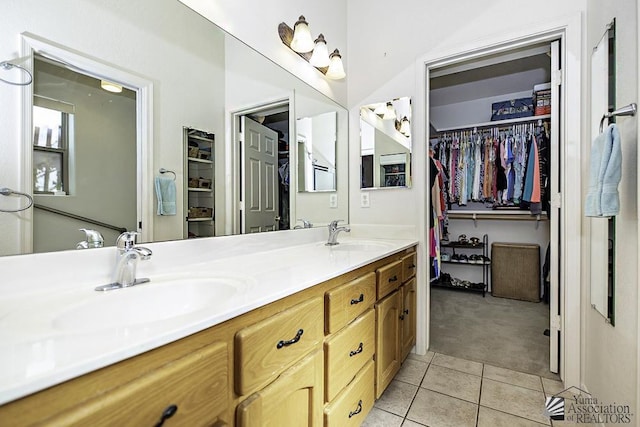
(515, 271)
(200, 212)
(194, 182)
(193, 152)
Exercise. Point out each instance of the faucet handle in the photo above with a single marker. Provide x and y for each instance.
(305, 223)
(335, 222)
(127, 240)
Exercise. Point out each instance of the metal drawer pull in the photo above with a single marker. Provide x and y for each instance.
(354, 352)
(356, 301)
(412, 266)
(293, 340)
(167, 413)
(358, 409)
(393, 279)
(406, 311)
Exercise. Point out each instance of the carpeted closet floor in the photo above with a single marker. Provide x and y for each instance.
(497, 331)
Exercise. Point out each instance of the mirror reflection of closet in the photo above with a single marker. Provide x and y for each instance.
(317, 152)
(603, 99)
(385, 144)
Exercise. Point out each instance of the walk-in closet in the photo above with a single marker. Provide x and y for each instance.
(493, 173)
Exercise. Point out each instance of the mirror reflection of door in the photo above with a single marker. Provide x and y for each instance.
(84, 157)
(262, 183)
(316, 138)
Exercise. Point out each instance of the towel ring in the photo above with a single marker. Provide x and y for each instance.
(7, 192)
(5, 65)
(163, 171)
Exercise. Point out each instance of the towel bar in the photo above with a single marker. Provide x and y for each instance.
(628, 110)
(163, 171)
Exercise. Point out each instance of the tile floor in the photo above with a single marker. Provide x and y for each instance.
(437, 390)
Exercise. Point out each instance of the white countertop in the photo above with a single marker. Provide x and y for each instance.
(54, 326)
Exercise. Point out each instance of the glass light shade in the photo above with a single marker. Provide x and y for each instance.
(405, 126)
(302, 41)
(320, 56)
(110, 87)
(336, 69)
(381, 108)
(390, 112)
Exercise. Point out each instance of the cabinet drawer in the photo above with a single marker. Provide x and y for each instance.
(265, 349)
(196, 384)
(389, 278)
(351, 407)
(347, 351)
(346, 302)
(408, 266)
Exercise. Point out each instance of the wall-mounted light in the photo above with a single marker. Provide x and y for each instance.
(405, 126)
(110, 86)
(315, 52)
(390, 112)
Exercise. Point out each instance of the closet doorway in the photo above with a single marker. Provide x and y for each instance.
(494, 148)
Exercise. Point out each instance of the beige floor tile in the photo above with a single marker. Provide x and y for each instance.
(453, 383)
(423, 358)
(409, 423)
(397, 398)
(438, 410)
(552, 386)
(412, 371)
(379, 418)
(488, 417)
(512, 377)
(458, 364)
(520, 401)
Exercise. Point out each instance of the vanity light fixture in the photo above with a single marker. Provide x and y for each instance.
(320, 56)
(302, 41)
(390, 112)
(336, 69)
(315, 52)
(405, 126)
(110, 86)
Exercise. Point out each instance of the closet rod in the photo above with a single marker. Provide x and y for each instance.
(627, 110)
(496, 123)
(497, 216)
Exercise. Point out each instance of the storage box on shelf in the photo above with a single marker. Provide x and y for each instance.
(459, 255)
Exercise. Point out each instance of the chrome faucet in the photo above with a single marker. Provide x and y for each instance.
(93, 239)
(305, 224)
(127, 258)
(333, 232)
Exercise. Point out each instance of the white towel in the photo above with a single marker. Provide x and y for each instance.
(604, 175)
(166, 194)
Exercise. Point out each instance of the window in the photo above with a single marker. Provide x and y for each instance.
(52, 131)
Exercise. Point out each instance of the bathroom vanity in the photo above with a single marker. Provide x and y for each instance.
(302, 332)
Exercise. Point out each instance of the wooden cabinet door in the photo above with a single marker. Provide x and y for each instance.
(408, 317)
(196, 384)
(387, 341)
(294, 399)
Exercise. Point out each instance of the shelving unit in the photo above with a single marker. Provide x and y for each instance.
(199, 185)
(485, 264)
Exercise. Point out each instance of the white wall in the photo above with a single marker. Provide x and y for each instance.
(610, 353)
(164, 42)
(256, 24)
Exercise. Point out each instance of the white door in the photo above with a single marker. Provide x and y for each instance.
(259, 190)
(555, 314)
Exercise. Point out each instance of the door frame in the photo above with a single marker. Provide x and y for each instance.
(144, 127)
(569, 32)
(233, 160)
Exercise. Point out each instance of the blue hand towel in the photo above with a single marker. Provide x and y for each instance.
(605, 170)
(610, 199)
(166, 194)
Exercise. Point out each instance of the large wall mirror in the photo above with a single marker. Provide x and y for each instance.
(187, 74)
(385, 144)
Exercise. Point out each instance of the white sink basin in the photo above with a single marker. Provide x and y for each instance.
(360, 245)
(158, 300)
